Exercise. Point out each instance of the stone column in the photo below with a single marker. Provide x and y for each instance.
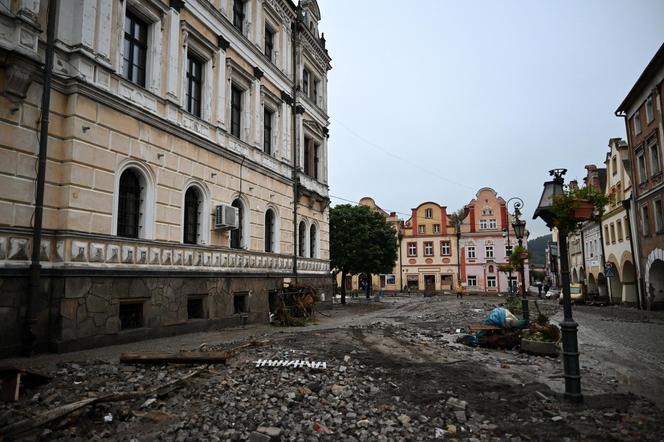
(173, 58)
(208, 80)
(155, 57)
(88, 20)
(285, 131)
(258, 27)
(258, 113)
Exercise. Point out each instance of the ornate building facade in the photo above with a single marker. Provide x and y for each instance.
(186, 177)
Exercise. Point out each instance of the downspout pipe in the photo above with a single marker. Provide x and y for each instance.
(35, 265)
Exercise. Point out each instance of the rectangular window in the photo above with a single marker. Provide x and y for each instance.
(436, 228)
(491, 282)
(641, 160)
(131, 315)
(508, 250)
(613, 233)
(236, 111)
(654, 159)
(428, 213)
(619, 229)
(650, 115)
(412, 249)
(195, 308)
(305, 81)
(489, 251)
(659, 223)
(445, 248)
(483, 224)
(390, 279)
(314, 91)
(421, 229)
(194, 84)
(240, 303)
(614, 165)
(269, 42)
(267, 131)
(637, 123)
(471, 281)
(645, 219)
(492, 224)
(428, 248)
(238, 14)
(627, 229)
(471, 252)
(135, 49)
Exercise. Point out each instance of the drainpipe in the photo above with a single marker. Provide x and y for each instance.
(35, 266)
(295, 133)
(603, 261)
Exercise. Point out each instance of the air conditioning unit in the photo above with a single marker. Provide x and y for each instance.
(226, 217)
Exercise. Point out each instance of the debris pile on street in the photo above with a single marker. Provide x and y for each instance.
(295, 305)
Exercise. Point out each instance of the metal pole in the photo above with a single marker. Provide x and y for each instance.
(572, 370)
(35, 266)
(524, 295)
(509, 246)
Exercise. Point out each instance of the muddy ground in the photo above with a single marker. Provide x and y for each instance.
(394, 372)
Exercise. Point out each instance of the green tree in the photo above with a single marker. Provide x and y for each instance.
(361, 240)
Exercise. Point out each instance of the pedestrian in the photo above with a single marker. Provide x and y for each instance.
(459, 291)
(539, 289)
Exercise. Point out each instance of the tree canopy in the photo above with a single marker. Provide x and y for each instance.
(361, 241)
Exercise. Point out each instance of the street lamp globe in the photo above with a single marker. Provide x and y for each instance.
(519, 227)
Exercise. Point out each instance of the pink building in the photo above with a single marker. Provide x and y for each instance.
(487, 238)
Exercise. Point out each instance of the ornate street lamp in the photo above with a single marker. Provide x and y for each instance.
(519, 227)
(517, 205)
(572, 371)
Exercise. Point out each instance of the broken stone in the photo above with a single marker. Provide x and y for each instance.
(460, 416)
(457, 404)
(404, 419)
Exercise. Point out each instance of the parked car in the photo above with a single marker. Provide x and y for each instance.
(552, 294)
(577, 294)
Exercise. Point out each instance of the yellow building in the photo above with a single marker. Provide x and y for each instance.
(186, 176)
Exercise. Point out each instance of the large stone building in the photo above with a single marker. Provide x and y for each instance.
(187, 165)
(643, 111)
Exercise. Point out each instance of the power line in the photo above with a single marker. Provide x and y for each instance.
(398, 157)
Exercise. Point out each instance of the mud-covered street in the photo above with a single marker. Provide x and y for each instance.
(393, 372)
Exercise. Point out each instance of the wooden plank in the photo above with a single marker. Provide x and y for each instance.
(478, 327)
(183, 357)
(10, 387)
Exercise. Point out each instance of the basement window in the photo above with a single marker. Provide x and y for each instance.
(240, 303)
(195, 308)
(131, 315)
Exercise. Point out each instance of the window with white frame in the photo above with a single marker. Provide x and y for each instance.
(445, 248)
(483, 224)
(655, 165)
(428, 248)
(659, 222)
(650, 114)
(421, 229)
(637, 123)
(428, 213)
(508, 250)
(641, 162)
(645, 220)
(606, 235)
(390, 279)
(471, 252)
(412, 249)
(489, 251)
(436, 228)
(471, 281)
(613, 233)
(491, 282)
(492, 224)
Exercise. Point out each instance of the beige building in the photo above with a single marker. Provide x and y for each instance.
(187, 165)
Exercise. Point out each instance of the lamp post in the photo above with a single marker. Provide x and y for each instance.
(519, 227)
(572, 372)
(517, 205)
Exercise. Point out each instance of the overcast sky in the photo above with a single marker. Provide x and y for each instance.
(432, 100)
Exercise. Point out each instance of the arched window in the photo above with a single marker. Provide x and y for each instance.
(302, 239)
(192, 221)
(129, 204)
(237, 235)
(312, 242)
(269, 230)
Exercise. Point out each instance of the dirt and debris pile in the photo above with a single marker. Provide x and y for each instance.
(294, 305)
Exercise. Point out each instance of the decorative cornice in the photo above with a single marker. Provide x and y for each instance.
(258, 73)
(287, 98)
(299, 109)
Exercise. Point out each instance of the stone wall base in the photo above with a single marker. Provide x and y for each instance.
(77, 312)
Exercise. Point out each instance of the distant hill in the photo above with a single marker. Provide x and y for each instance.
(536, 248)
